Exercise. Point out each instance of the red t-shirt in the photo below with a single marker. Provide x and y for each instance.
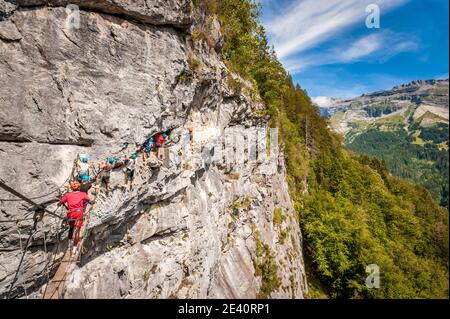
(75, 200)
(160, 140)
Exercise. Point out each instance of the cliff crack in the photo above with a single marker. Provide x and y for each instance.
(94, 7)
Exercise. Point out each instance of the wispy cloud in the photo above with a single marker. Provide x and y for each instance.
(340, 85)
(361, 48)
(306, 23)
(380, 46)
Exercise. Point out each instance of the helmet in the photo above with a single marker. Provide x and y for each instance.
(133, 155)
(165, 135)
(85, 177)
(112, 159)
(152, 139)
(84, 158)
(74, 186)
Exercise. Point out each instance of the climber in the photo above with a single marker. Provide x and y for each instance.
(148, 148)
(130, 163)
(84, 168)
(75, 211)
(149, 144)
(86, 183)
(190, 135)
(106, 168)
(160, 139)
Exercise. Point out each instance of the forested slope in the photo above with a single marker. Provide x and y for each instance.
(351, 211)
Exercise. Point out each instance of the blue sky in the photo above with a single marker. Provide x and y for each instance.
(329, 51)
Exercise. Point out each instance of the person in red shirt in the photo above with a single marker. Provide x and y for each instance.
(160, 139)
(75, 203)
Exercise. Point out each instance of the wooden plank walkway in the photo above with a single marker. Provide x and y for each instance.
(56, 286)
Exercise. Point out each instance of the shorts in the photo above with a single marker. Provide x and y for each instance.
(85, 187)
(75, 223)
(130, 173)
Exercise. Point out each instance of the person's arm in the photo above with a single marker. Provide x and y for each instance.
(89, 200)
(63, 200)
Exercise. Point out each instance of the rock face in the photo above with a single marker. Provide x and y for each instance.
(100, 81)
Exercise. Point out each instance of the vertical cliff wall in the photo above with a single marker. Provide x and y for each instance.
(215, 220)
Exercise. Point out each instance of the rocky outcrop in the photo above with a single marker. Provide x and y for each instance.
(424, 101)
(158, 12)
(199, 226)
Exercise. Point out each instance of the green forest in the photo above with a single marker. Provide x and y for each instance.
(376, 110)
(352, 212)
(425, 164)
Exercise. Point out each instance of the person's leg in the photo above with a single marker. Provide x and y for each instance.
(131, 179)
(107, 186)
(158, 153)
(79, 224)
(71, 227)
(70, 235)
(77, 235)
(105, 180)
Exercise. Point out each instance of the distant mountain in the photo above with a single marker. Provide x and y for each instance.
(406, 126)
(326, 104)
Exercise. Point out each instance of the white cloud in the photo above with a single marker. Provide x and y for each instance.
(361, 48)
(323, 101)
(307, 23)
(379, 46)
(336, 87)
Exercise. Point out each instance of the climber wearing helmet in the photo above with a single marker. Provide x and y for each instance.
(148, 148)
(160, 139)
(75, 201)
(84, 168)
(86, 184)
(130, 163)
(149, 144)
(106, 168)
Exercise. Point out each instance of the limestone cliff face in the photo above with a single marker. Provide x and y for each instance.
(202, 225)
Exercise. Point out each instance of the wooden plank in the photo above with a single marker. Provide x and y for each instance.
(56, 285)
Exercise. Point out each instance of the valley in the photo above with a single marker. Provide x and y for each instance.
(406, 127)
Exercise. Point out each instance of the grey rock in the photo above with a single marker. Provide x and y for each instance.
(6, 9)
(186, 227)
(8, 31)
(160, 12)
